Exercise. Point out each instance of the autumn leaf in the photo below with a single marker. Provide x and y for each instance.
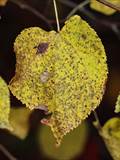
(111, 135)
(117, 106)
(103, 8)
(62, 73)
(19, 119)
(4, 105)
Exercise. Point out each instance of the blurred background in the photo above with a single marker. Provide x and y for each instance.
(38, 144)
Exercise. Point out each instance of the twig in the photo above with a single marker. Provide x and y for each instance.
(98, 126)
(7, 154)
(116, 30)
(81, 5)
(113, 6)
(25, 6)
(72, 4)
(68, 3)
(46, 7)
(56, 15)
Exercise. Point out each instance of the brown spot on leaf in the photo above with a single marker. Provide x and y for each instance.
(84, 37)
(42, 47)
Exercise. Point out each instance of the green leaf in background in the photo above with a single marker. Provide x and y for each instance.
(117, 106)
(4, 105)
(111, 135)
(64, 73)
(103, 8)
(73, 144)
(19, 119)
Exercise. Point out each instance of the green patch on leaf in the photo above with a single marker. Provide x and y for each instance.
(19, 119)
(73, 144)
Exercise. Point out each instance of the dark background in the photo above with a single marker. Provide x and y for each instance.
(13, 20)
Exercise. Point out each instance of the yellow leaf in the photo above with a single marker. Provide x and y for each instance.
(111, 135)
(103, 8)
(72, 145)
(117, 106)
(19, 119)
(3, 2)
(4, 105)
(64, 73)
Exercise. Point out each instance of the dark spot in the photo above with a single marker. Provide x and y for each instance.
(42, 47)
(84, 37)
(109, 131)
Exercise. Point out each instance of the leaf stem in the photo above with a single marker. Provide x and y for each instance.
(113, 6)
(6, 153)
(56, 15)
